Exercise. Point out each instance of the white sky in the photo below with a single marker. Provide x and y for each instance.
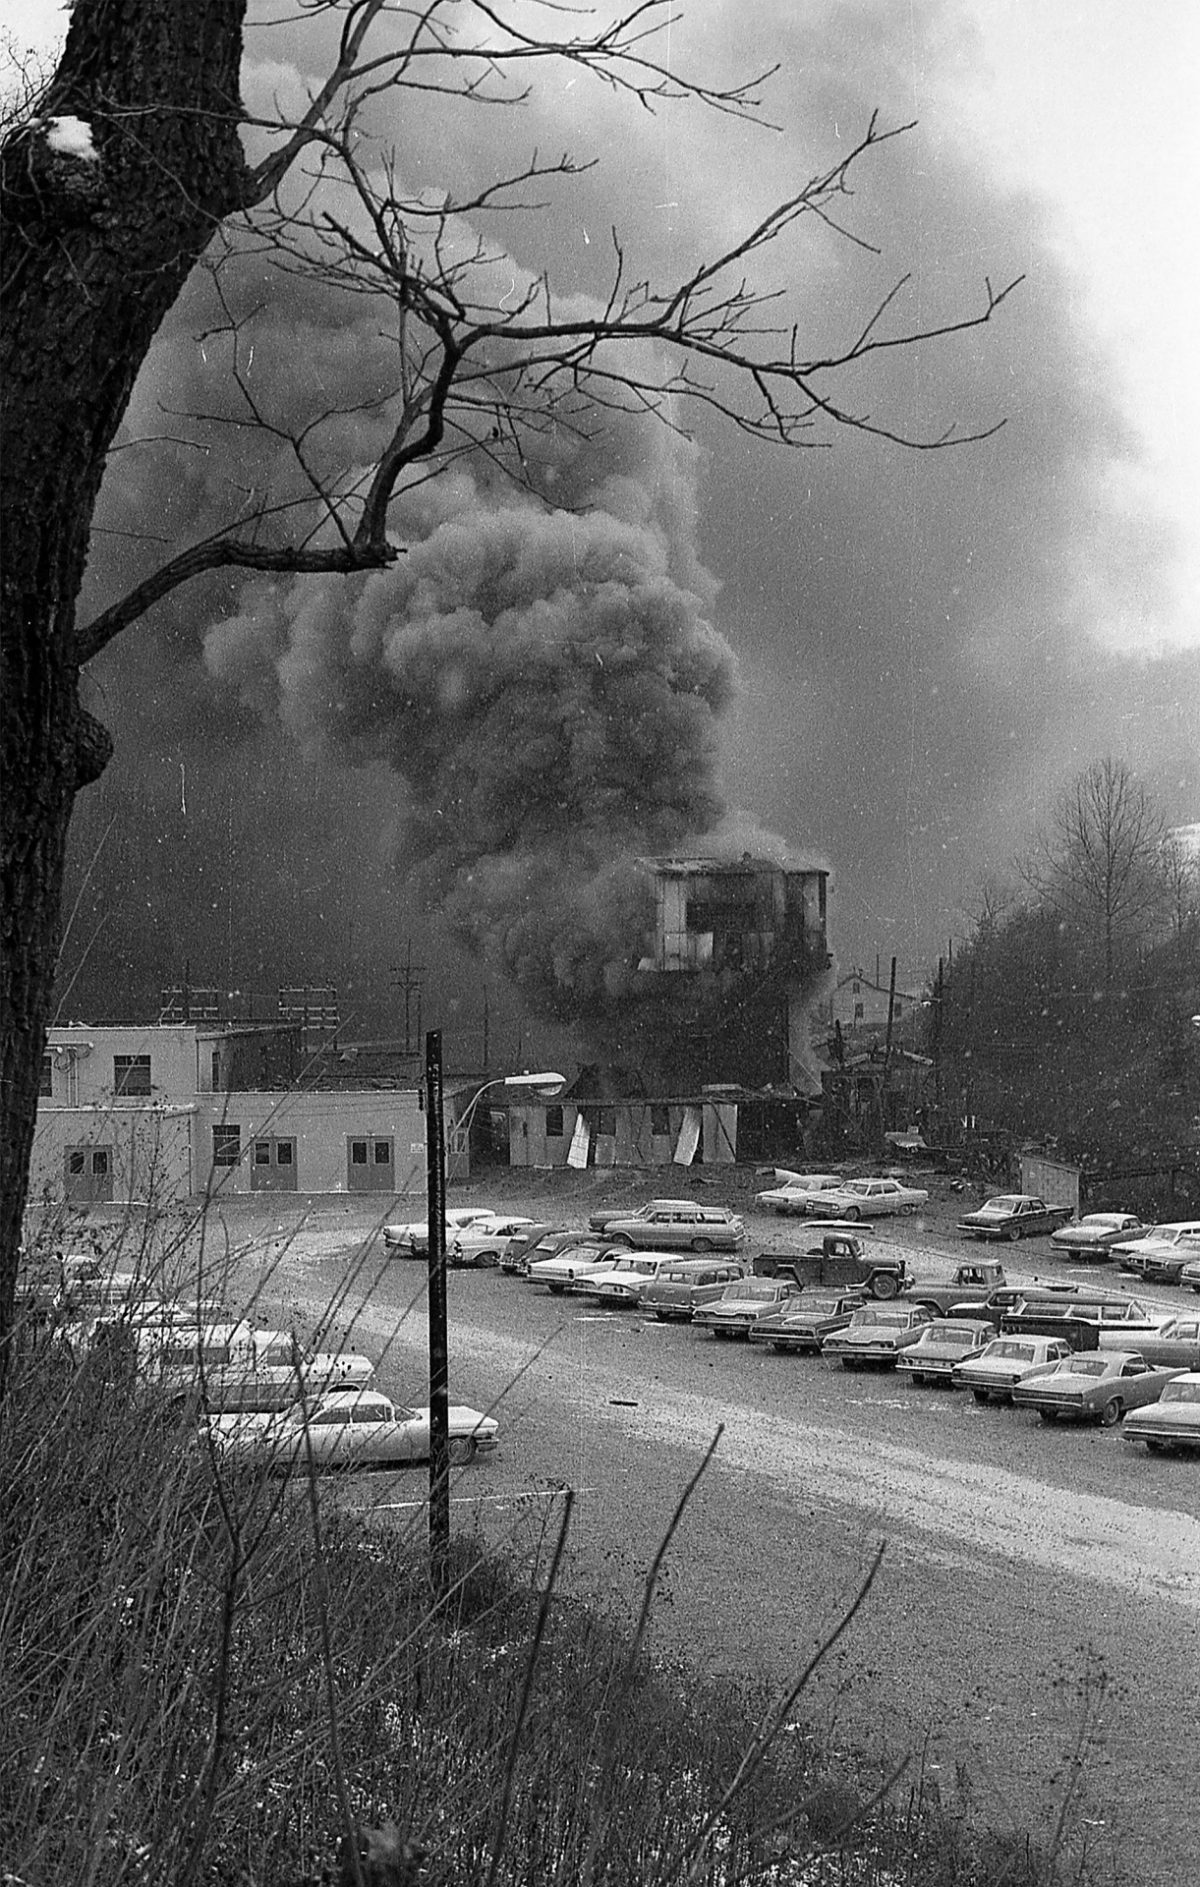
(1094, 103)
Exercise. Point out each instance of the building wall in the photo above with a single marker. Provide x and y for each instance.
(321, 1125)
(636, 1138)
(857, 993)
(82, 1065)
(147, 1153)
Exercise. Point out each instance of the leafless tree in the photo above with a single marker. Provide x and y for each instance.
(1180, 867)
(1098, 863)
(133, 171)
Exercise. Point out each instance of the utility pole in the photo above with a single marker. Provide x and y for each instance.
(486, 1029)
(439, 1345)
(408, 979)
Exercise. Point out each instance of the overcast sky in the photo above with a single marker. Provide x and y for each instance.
(927, 647)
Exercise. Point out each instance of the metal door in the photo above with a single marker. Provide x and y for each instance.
(371, 1163)
(273, 1164)
(89, 1175)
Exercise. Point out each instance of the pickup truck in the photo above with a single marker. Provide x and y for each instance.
(971, 1284)
(841, 1258)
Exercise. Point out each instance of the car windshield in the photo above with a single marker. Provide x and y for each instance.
(871, 1314)
(824, 1306)
(1182, 1392)
(1003, 1202)
(1013, 1352)
(1082, 1366)
(758, 1289)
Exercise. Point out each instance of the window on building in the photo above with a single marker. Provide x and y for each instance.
(46, 1080)
(554, 1123)
(262, 1153)
(227, 1145)
(383, 1153)
(216, 1069)
(660, 1118)
(858, 1012)
(856, 987)
(100, 1163)
(131, 1074)
(285, 1152)
(358, 1153)
(606, 1121)
(899, 1008)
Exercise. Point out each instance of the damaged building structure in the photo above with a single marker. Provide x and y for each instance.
(712, 1059)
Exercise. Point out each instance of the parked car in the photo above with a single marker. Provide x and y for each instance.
(1082, 1318)
(412, 1240)
(1157, 1238)
(1177, 1341)
(805, 1321)
(866, 1199)
(354, 1429)
(846, 1257)
(791, 1198)
(1099, 1387)
(483, 1243)
(686, 1284)
(994, 1372)
(1165, 1262)
(971, 1283)
(1095, 1234)
(229, 1368)
(575, 1257)
(517, 1249)
(1173, 1422)
(599, 1220)
(1190, 1275)
(941, 1346)
(742, 1303)
(1013, 1215)
(621, 1282)
(877, 1333)
(681, 1227)
(1006, 1298)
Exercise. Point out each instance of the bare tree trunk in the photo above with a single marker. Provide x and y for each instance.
(96, 251)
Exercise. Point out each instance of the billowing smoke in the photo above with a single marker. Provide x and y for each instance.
(546, 691)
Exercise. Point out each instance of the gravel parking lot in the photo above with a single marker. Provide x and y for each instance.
(1036, 1583)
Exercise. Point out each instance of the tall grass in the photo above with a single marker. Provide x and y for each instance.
(216, 1677)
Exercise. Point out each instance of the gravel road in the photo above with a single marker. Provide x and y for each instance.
(1037, 1585)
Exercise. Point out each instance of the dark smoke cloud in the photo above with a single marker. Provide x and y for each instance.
(925, 643)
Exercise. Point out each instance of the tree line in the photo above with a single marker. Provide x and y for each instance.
(1072, 1012)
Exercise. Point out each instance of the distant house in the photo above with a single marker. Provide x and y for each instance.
(860, 1002)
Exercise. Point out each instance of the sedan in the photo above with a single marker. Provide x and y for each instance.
(791, 1198)
(941, 1346)
(741, 1305)
(483, 1243)
(866, 1199)
(1013, 1215)
(623, 1280)
(412, 1240)
(1176, 1342)
(1156, 1239)
(576, 1256)
(1164, 1263)
(1100, 1386)
(877, 1334)
(1095, 1235)
(995, 1371)
(805, 1322)
(356, 1429)
(1190, 1275)
(1173, 1422)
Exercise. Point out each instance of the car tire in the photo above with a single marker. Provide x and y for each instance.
(1157, 1447)
(885, 1285)
(1014, 1235)
(1048, 1416)
(853, 1213)
(851, 1362)
(488, 1260)
(462, 1450)
(556, 1290)
(981, 1396)
(702, 1244)
(619, 1238)
(1112, 1412)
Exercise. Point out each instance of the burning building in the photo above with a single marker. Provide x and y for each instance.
(736, 963)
